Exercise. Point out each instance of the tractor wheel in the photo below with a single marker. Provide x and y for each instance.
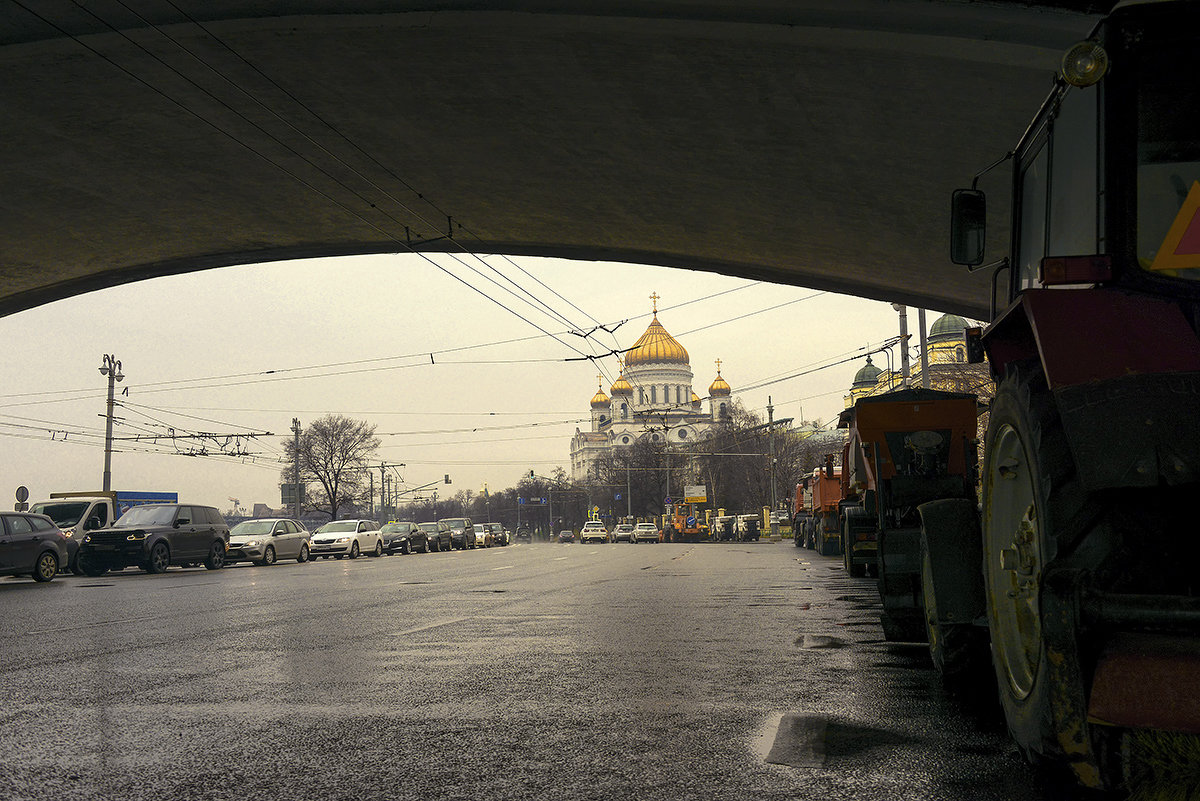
(1033, 507)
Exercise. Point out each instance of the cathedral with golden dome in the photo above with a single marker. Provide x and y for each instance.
(651, 399)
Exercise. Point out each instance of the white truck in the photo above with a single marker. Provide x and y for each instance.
(76, 513)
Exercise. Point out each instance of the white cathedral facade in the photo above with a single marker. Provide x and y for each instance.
(652, 399)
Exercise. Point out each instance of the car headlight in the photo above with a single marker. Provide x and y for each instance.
(250, 544)
(343, 539)
(137, 535)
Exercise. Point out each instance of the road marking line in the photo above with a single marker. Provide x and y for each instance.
(506, 567)
(559, 558)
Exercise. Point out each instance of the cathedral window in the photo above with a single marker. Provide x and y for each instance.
(666, 393)
(654, 394)
(958, 354)
(679, 394)
(624, 410)
(723, 413)
(683, 433)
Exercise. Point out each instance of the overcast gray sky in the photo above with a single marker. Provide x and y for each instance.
(245, 349)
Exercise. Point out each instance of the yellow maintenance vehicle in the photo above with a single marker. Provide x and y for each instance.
(1087, 543)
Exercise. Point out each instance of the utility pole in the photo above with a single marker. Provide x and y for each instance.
(382, 491)
(905, 373)
(924, 350)
(628, 497)
(110, 367)
(371, 494)
(771, 440)
(296, 466)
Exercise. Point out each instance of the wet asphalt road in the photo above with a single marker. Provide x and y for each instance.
(527, 672)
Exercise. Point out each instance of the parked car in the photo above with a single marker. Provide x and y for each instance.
(404, 537)
(593, 531)
(462, 532)
(483, 535)
(267, 540)
(524, 534)
(154, 536)
(437, 536)
(31, 544)
(623, 532)
(339, 538)
(500, 535)
(644, 532)
(566, 535)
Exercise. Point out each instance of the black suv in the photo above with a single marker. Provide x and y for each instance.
(404, 537)
(154, 536)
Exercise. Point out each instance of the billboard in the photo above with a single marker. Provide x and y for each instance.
(695, 494)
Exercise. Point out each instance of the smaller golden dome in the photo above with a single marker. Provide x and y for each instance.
(695, 400)
(719, 386)
(599, 400)
(621, 386)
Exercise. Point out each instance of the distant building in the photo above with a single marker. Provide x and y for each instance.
(949, 370)
(651, 399)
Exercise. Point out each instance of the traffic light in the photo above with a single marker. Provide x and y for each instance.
(446, 480)
(531, 474)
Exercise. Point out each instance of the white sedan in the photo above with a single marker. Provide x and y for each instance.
(339, 538)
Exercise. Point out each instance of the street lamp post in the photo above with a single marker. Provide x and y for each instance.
(110, 367)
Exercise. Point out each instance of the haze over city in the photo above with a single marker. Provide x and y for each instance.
(474, 383)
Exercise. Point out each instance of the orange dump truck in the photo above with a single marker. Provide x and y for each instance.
(905, 448)
(822, 490)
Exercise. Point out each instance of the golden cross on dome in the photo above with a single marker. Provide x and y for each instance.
(654, 298)
(599, 381)
(718, 366)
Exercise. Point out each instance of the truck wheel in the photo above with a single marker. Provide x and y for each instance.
(1031, 502)
(159, 559)
(959, 651)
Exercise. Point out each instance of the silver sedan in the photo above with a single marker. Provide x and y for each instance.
(267, 540)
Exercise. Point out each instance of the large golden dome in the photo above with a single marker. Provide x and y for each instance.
(656, 346)
(621, 386)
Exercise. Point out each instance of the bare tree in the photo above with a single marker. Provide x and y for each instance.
(334, 452)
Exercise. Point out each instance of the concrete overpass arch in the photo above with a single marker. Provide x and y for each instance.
(807, 143)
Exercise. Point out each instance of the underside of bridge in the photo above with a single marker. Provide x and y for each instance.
(809, 143)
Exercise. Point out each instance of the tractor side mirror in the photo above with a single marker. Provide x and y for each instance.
(968, 226)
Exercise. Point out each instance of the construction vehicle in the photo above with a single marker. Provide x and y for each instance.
(824, 524)
(904, 448)
(1086, 538)
(682, 523)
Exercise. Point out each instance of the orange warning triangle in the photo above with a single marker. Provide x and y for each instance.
(1181, 248)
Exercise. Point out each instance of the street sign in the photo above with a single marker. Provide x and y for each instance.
(617, 496)
(691, 521)
(520, 500)
(695, 494)
(668, 500)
